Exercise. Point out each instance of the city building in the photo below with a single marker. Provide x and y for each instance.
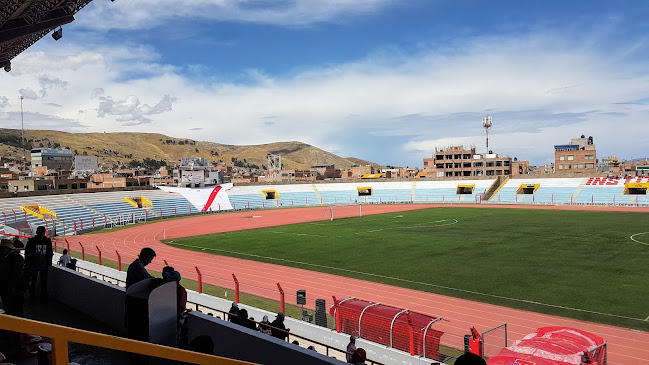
(457, 161)
(54, 159)
(61, 185)
(520, 167)
(192, 172)
(356, 172)
(327, 171)
(613, 166)
(291, 176)
(116, 180)
(579, 156)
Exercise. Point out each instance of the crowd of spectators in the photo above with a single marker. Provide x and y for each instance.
(20, 275)
(276, 328)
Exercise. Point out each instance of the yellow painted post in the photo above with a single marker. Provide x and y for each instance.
(60, 351)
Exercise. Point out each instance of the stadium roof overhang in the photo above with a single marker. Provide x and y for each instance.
(24, 22)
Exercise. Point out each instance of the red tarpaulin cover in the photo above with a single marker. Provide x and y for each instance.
(548, 346)
(376, 322)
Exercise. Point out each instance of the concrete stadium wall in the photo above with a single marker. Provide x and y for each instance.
(235, 342)
(96, 298)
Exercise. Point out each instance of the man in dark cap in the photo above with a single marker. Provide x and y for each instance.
(279, 330)
(38, 259)
(233, 313)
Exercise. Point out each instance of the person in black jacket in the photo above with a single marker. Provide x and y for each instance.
(233, 313)
(38, 259)
(136, 271)
(245, 321)
(278, 330)
(12, 284)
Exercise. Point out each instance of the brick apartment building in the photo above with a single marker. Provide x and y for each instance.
(327, 171)
(457, 161)
(578, 156)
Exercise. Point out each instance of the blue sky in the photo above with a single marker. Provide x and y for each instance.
(383, 80)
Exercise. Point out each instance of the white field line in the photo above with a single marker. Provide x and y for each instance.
(640, 242)
(417, 282)
(452, 221)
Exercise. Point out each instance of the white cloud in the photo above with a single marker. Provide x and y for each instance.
(28, 94)
(143, 14)
(130, 109)
(541, 90)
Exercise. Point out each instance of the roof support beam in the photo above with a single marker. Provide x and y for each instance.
(14, 30)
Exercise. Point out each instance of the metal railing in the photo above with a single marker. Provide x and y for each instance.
(61, 336)
(600, 353)
(493, 340)
(210, 311)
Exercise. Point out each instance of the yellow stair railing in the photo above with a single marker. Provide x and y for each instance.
(145, 201)
(33, 210)
(61, 336)
(45, 210)
(498, 187)
(317, 193)
(131, 201)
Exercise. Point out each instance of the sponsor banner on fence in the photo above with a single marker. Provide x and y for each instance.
(211, 198)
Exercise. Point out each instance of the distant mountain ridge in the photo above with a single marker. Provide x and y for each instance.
(112, 148)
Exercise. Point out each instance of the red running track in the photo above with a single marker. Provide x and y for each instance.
(625, 346)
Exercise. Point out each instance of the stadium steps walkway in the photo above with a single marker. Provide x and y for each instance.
(578, 190)
(495, 187)
(413, 192)
(317, 193)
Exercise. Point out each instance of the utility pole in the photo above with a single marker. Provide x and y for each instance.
(22, 127)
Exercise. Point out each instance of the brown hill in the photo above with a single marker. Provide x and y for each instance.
(112, 148)
(360, 162)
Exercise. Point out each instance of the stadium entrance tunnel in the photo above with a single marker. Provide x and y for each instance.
(527, 189)
(636, 189)
(270, 194)
(365, 191)
(464, 189)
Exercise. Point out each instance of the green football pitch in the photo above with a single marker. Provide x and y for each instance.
(588, 265)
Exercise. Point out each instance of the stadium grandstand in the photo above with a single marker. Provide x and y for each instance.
(78, 213)
(389, 334)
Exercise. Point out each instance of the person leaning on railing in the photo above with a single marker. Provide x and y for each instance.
(136, 270)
